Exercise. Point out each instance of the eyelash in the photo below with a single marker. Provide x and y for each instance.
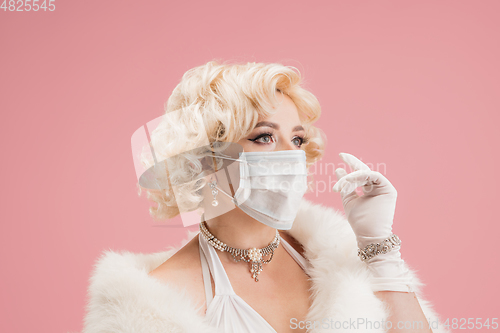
(303, 139)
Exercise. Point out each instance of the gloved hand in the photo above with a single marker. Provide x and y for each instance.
(371, 217)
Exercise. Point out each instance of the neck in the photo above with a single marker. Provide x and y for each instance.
(238, 230)
(234, 227)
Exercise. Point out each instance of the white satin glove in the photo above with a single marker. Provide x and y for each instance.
(371, 217)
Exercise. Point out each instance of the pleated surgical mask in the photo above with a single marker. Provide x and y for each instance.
(272, 185)
(267, 186)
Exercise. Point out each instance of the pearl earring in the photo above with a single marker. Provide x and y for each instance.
(215, 191)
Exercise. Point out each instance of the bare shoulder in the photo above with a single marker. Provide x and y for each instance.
(183, 270)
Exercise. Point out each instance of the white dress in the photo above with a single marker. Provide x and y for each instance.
(226, 310)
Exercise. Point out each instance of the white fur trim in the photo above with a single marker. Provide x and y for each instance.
(124, 298)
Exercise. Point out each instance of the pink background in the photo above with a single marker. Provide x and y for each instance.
(410, 84)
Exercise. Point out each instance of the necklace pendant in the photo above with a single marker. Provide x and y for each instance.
(255, 256)
(256, 269)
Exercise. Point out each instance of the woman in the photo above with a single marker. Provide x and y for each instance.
(265, 259)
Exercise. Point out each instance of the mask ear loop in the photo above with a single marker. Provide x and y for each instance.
(215, 165)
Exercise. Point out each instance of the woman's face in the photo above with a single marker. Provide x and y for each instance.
(280, 131)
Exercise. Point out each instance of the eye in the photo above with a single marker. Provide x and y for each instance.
(264, 138)
(299, 141)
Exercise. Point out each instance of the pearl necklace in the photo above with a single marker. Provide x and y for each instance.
(254, 255)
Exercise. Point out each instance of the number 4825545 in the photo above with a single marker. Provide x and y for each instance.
(28, 5)
(471, 323)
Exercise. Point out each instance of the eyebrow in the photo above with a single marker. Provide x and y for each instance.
(268, 124)
(277, 127)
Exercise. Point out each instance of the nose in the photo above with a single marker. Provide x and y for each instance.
(287, 145)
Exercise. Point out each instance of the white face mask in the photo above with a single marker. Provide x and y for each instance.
(272, 185)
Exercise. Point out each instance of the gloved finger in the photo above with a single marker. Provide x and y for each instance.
(353, 162)
(347, 190)
(373, 182)
(378, 184)
(358, 177)
(339, 172)
(354, 179)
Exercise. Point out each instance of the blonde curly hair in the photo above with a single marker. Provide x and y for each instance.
(222, 102)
